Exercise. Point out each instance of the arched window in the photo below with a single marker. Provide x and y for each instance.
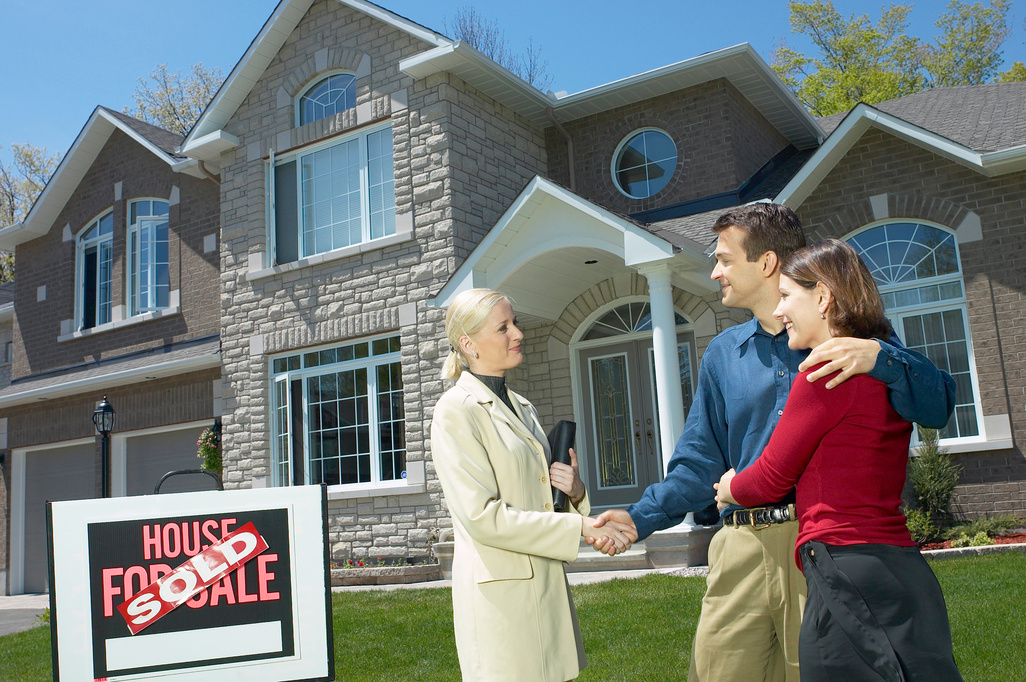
(327, 97)
(149, 283)
(94, 266)
(917, 268)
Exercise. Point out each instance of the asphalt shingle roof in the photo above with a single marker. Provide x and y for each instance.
(984, 118)
(165, 140)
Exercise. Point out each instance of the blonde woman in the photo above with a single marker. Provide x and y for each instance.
(513, 613)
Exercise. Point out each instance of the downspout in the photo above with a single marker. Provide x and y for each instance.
(569, 148)
(210, 176)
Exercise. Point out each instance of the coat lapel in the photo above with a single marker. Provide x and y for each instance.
(523, 423)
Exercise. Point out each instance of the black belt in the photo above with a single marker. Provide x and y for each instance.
(760, 517)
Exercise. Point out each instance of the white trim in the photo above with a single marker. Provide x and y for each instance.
(122, 378)
(120, 324)
(862, 118)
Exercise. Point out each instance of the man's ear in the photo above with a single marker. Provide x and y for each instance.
(770, 263)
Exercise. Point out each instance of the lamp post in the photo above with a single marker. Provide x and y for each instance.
(103, 419)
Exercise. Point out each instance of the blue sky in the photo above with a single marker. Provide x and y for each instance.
(65, 57)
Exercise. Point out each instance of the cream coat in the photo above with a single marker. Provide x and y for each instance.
(513, 613)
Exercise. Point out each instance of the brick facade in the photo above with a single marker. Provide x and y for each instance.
(918, 184)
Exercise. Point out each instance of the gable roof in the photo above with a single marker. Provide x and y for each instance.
(983, 118)
(972, 131)
(77, 162)
(207, 138)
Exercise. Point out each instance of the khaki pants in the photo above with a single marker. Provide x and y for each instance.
(752, 610)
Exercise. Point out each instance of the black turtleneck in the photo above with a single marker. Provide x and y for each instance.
(497, 385)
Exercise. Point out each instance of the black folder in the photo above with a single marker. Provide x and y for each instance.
(561, 439)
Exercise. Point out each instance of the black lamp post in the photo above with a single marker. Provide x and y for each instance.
(103, 419)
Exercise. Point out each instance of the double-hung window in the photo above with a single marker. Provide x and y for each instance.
(918, 270)
(333, 195)
(149, 283)
(338, 415)
(93, 266)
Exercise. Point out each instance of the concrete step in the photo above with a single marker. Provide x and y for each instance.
(589, 560)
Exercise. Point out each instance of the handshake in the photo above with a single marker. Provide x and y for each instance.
(611, 532)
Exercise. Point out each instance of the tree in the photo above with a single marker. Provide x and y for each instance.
(20, 184)
(861, 62)
(485, 37)
(173, 101)
(968, 51)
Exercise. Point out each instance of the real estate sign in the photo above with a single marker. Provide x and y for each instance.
(192, 586)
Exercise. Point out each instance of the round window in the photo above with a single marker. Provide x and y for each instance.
(644, 163)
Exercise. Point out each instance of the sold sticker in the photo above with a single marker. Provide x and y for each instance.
(159, 598)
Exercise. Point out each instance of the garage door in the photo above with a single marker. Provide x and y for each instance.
(149, 457)
(52, 475)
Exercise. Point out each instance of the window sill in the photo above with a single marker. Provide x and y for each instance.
(967, 446)
(338, 254)
(120, 324)
(380, 490)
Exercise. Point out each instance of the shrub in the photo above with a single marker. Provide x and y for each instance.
(208, 448)
(961, 541)
(919, 526)
(980, 539)
(933, 476)
(991, 526)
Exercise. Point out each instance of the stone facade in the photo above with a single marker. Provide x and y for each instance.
(987, 216)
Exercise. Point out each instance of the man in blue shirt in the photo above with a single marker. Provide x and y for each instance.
(751, 613)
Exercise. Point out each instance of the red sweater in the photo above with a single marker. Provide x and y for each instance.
(845, 452)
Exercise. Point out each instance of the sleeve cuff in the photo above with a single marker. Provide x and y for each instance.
(889, 368)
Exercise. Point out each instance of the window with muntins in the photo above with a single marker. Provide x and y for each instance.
(337, 194)
(644, 163)
(338, 415)
(327, 97)
(917, 268)
(149, 283)
(94, 266)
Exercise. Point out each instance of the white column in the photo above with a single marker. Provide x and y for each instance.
(667, 363)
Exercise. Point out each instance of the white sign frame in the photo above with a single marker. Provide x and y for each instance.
(71, 605)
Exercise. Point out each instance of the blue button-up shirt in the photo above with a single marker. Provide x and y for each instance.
(743, 383)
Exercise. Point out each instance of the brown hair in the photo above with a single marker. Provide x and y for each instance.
(855, 308)
(767, 227)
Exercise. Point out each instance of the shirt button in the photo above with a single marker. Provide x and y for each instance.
(780, 412)
(548, 506)
(890, 362)
(780, 373)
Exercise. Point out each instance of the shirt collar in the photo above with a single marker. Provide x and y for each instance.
(751, 328)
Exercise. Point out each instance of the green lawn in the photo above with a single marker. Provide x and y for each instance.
(633, 629)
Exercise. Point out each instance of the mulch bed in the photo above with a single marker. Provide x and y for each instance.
(1006, 539)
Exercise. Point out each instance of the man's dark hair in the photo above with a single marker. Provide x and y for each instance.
(767, 227)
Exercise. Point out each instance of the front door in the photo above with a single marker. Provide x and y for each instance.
(620, 434)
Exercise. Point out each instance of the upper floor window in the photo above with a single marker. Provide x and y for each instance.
(917, 268)
(339, 416)
(149, 283)
(333, 195)
(644, 163)
(327, 97)
(94, 264)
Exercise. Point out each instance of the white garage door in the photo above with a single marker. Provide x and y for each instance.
(52, 475)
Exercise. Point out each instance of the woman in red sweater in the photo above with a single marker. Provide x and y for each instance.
(875, 610)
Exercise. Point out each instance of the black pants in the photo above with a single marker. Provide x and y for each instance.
(874, 612)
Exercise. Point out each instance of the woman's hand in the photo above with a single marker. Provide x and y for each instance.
(618, 541)
(723, 497)
(567, 478)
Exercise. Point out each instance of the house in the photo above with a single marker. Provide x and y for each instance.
(116, 296)
(370, 169)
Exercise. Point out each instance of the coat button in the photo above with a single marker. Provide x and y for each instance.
(545, 479)
(548, 506)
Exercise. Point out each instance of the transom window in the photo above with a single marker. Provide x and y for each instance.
(327, 97)
(917, 268)
(149, 282)
(335, 195)
(94, 266)
(338, 415)
(626, 319)
(644, 163)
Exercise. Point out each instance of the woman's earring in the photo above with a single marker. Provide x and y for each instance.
(822, 316)
(475, 355)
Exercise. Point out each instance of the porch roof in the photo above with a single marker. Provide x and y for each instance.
(551, 245)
